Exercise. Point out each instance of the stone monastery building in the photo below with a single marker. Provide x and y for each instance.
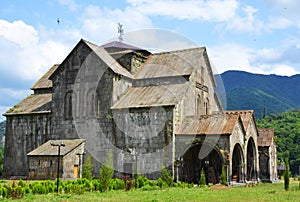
(136, 111)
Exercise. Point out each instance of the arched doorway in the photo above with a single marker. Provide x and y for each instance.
(251, 160)
(237, 163)
(192, 165)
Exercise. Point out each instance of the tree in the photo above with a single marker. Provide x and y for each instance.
(87, 169)
(202, 178)
(265, 112)
(286, 175)
(106, 173)
(166, 177)
(223, 176)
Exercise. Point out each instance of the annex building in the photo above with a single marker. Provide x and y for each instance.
(136, 111)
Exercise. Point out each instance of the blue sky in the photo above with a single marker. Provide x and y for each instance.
(251, 35)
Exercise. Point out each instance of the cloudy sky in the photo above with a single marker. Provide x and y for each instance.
(250, 35)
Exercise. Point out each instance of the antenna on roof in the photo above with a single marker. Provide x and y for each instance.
(120, 32)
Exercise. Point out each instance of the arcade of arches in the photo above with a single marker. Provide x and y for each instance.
(235, 148)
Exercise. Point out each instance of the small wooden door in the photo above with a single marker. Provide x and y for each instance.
(75, 171)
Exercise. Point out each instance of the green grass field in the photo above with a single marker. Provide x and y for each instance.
(261, 192)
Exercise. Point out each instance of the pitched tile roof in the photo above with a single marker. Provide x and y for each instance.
(47, 149)
(166, 95)
(108, 59)
(265, 137)
(44, 81)
(216, 124)
(33, 104)
(172, 63)
(246, 116)
(118, 44)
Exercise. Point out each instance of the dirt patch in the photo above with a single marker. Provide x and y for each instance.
(220, 187)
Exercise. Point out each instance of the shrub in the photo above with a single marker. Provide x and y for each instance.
(87, 169)
(166, 177)
(223, 176)
(96, 185)
(4, 192)
(286, 175)
(202, 178)
(14, 191)
(38, 188)
(105, 177)
(117, 184)
(21, 183)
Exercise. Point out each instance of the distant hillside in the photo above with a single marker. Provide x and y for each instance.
(2, 129)
(255, 91)
(287, 131)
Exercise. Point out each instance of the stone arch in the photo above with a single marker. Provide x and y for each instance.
(90, 103)
(206, 106)
(199, 109)
(69, 105)
(192, 164)
(237, 163)
(251, 160)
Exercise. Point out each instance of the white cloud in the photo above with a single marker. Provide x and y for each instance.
(213, 10)
(238, 57)
(72, 5)
(18, 32)
(247, 23)
(25, 56)
(267, 55)
(279, 23)
(13, 93)
(100, 24)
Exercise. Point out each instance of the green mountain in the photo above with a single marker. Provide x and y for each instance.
(256, 91)
(287, 131)
(2, 130)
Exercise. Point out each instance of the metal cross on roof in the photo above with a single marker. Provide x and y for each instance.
(120, 31)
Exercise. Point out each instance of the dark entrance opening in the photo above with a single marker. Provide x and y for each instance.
(192, 165)
(251, 156)
(237, 163)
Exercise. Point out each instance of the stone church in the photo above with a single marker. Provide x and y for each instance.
(138, 112)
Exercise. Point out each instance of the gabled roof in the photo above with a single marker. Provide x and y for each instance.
(246, 116)
(171, 63)
(167, 95)
(103, 55)
(47, 149)
(265, 137)
(109, 60)
(118, 44)
(44, 81)
(33, 104)
(216, 124)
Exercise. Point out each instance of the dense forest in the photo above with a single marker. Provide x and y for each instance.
(2, 133)
(2, 130)
(287, 131)
(255, 91)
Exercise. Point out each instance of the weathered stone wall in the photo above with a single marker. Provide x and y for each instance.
(23, 134)
(147, 131)
(70, 160)
(43, 167)
(64, 95)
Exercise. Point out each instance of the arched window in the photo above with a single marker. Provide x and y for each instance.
(206, 106)
(199, 105)
(97, 106)
(68, 105)
(91, 104)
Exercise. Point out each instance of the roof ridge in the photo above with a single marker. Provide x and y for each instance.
(179, 50)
